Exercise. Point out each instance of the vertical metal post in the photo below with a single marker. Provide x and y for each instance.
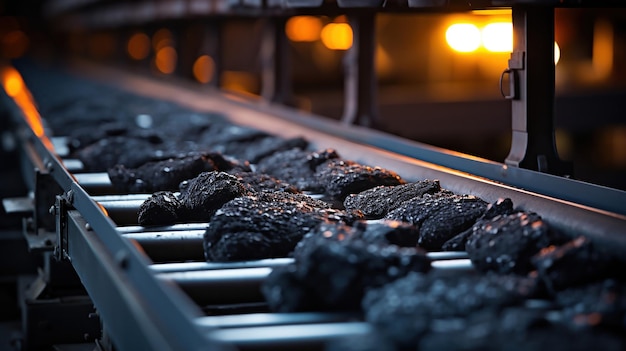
(360, 103)
(275, 62)
(531, 70)
(212, 46)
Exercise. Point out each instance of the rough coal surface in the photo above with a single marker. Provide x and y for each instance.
(341, 178)
(405, 309)
(297, 167)
(161, 208)
(498, 208)
(206, 193)
(439, 216)
(506, 244)
(281, 218)
(378, 201)
(573, 263)
(256, 150)
(166, 174)
(108, 152)
(334, 267)
(601, 304)
(259, 182)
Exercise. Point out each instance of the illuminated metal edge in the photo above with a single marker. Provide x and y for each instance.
(139, 311)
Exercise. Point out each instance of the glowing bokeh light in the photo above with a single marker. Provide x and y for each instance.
(498, 37)
(139, 46)
(165, 60)
(337, 36)
(463, 37)
(204, 69)
(303, 28)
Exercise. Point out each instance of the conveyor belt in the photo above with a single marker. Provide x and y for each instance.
(151, 285)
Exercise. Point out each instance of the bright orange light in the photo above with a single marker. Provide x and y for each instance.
(13, 83)
(303, 28)
(337, 36)
(204, 69)
(498, 37)
(557, 53)
(138, 46)
(165, 60)
(14, 86)
(463, 37)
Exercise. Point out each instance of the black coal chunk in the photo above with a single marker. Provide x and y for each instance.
(166, 174)
(200, 197)
(378, 201)
(256, 150)
(257, 182)
(206, 193)
(108, 152)
(440, 216)
(405, 309)
(161, 208)
(297, 167)
(591, 306)
(273, 221)
(573, 263)
(341, 178)
(506, 244)
(500, 207)
(334, 266)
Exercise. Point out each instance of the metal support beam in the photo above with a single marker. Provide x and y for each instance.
(531, 73)
(275, 62)
(360, 90)
(211, 45)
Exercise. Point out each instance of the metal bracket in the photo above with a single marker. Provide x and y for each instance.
(46, 188)
(60, 211)
(516, 63)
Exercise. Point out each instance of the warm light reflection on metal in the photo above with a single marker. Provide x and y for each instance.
(337, 36)
(303, 28)
(14, 86)
(165, 60)
(498, 37)
(463, 37)
(492, 12)
(242, 82)
(557, 53)
(138, 46)
(204, 69)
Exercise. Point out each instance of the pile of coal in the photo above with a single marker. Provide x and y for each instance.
(408, 308)
(167, 175)
(199, 198)
(574, 263)
(265, 225)
(335, 264)
(341, 178)
(324, 172)
(440, 216)
(376, 202)
(297, 167)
